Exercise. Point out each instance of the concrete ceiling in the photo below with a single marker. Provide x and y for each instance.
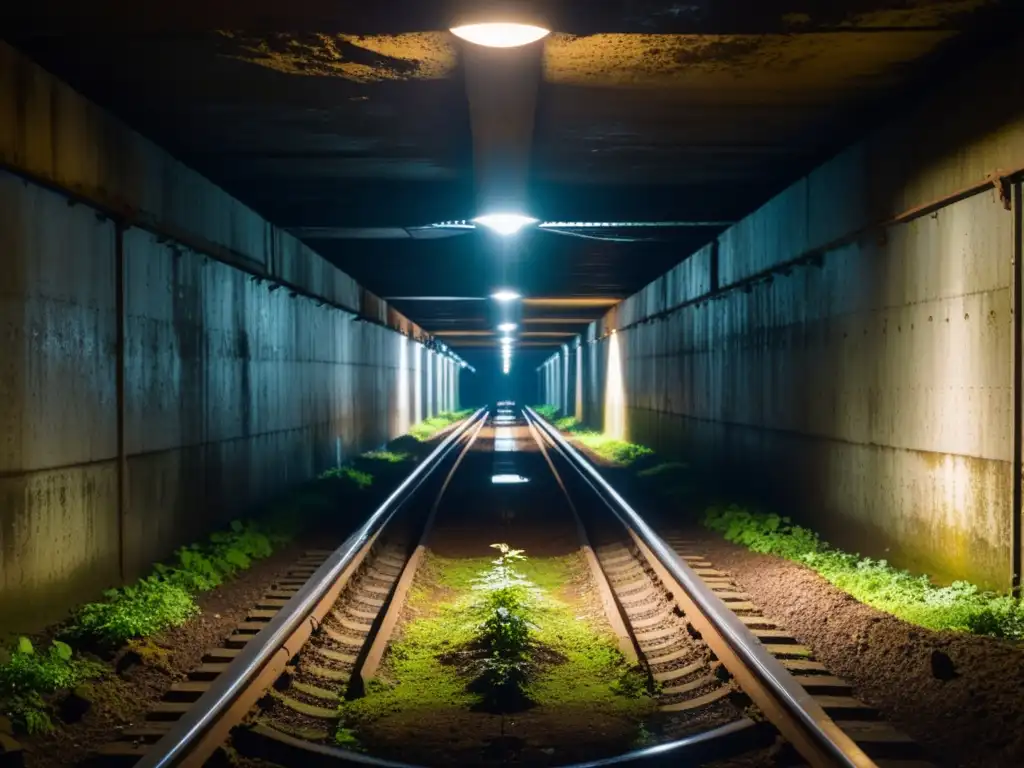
(330, 121)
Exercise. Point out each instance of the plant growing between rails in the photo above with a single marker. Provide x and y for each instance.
(498, 635)
(505, 634)
(26, 676)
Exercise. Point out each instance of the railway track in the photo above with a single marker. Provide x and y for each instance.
(728, 682)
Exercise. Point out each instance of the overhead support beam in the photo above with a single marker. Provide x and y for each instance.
(495, 344)
(558, 320)
(494, 334)
(576, 301)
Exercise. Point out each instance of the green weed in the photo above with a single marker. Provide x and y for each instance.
(429, 427)
(448, 645)
(391, 457)
(505, 634)
(362, 480)
(164, 599)
(26, 676)
(618, 451)
(961, 606)
(346, 738)
(549, 412)
(138, 610)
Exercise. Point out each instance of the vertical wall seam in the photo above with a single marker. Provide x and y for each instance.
(1018, 384)
(120, 310)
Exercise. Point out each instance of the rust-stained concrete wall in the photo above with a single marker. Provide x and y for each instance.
(871, 395)
(234, 386)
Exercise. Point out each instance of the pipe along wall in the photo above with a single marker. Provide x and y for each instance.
(864, 379)
(169, 358)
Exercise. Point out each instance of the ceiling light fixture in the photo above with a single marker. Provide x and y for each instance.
(504, 223)
(500, 34)
(505, 295)
(507, 327)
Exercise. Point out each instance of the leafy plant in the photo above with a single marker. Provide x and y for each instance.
(549, 412)
(960, 606)
(141, 609)
(505, 632)
(26, 676)
(362, 480)
(572, 662)
(427, 428)
(612, 449)
(391, 457)
(346, 738)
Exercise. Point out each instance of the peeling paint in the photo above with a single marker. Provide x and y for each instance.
(771, 63)
(359, 58)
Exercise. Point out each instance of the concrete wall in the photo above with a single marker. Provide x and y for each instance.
(245, 368)
(871, 395)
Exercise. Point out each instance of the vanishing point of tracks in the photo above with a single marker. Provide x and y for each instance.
(729, 683)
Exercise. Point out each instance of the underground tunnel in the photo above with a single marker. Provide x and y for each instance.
(512, 382)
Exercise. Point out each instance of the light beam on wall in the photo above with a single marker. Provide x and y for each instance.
(417, 397)
(579, 383)
(403, 386)
(614, 392)
(429, 366)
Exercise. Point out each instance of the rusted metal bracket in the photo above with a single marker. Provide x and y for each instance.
(1002, 185)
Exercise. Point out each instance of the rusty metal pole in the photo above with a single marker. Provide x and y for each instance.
(1018, 386)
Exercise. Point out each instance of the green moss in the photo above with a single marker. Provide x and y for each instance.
(429, 427)
(611, 449)
(356, 477)
(390, 457)
(426, 668)
(960, 606)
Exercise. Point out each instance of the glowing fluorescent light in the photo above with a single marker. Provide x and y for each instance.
(504, 223)
(505, 295)
(509, 479)
(506, 341)
(500, 34)
(507, 327)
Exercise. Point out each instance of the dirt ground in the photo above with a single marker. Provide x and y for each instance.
(122, 699)
(971, 716)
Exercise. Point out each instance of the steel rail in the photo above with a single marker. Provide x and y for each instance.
(782, 699)
(689, 750)
(188, 732)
